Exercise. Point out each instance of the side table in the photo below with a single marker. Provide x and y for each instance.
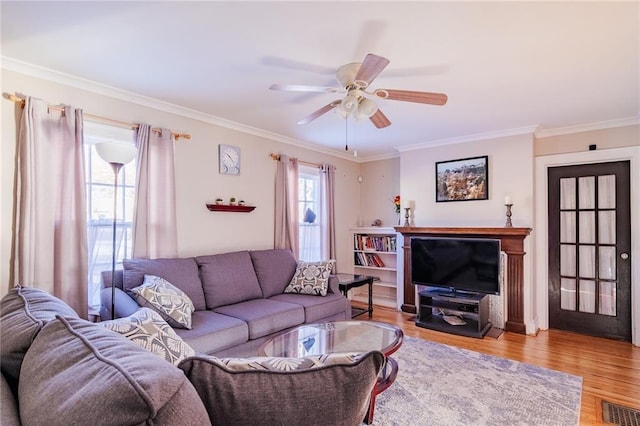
(349, 281)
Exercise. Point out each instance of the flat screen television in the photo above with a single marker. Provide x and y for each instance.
(456, 264)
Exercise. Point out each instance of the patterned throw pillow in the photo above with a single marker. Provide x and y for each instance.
(147, 329)
(166, 299)
(282, 364)
(311, 278)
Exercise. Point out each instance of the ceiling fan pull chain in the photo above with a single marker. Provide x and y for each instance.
(346, 133)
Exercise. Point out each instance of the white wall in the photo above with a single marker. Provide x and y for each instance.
(380, 183)
(197, 177)
(510, 173)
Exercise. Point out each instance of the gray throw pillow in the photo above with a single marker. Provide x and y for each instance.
(311, 278)
(79, 373)
(166, 299)
(23, 313)
(331, 389)
(147, 329)
(182, 273)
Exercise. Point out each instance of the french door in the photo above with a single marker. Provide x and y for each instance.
(590, 249)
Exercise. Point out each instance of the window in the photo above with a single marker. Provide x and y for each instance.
(309, 214)
(99, 181)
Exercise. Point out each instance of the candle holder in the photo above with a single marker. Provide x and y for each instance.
(406, 216)
(508, 223)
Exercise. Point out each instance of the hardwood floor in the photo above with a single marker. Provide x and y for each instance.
(610, 369)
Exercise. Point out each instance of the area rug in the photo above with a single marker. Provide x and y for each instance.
(444, 385)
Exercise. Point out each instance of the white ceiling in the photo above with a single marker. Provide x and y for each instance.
(505, 66)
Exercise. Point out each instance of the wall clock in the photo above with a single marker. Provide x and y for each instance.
(229, 159)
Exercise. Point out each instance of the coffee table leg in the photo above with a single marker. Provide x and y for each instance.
(388, 376)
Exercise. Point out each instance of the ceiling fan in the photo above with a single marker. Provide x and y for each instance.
(354, 79)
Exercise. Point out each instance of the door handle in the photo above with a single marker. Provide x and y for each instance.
(624, 256)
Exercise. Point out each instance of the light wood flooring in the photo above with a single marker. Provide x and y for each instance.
(610, 369)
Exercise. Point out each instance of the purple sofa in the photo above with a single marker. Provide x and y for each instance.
(58, 369)
(239, 298)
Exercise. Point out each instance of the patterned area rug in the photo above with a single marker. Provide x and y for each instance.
(443, 385)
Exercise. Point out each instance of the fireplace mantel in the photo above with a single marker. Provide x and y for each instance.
(511, 242)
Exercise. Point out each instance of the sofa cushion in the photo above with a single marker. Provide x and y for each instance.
(317, 308)
(228, 278)
(23, 313)
(173, 304)
(311, 278)
(93, 374)
(274, 269)
(147, 329)
(212, 332)
(9, 415)
(324, 390)
(265, 316)
(182, 273)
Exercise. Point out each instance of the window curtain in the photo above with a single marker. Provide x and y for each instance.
(50, 233)
(155, 232)
(328, 204)
(286, 205)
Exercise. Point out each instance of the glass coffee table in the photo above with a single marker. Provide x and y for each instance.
(341, 336)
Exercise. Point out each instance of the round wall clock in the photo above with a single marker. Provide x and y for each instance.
(229, 159)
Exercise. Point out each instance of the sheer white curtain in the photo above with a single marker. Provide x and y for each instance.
(155, 232)
(50, 233)
(286, 204)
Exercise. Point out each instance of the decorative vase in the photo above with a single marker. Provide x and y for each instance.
(398, 214)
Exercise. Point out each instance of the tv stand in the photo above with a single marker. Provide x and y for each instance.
(472, 307)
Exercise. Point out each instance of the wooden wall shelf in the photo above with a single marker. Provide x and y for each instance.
(511, 241)
(229, 208)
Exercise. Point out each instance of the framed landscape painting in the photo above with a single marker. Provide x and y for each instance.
(462, 180)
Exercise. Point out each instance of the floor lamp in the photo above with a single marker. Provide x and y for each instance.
(117, 154)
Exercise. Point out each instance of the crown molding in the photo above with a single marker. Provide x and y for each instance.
(468, 138)
(588, 127)
(370, 158)
(48, 74)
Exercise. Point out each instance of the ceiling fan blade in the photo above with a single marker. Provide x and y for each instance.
(412, 96)
(301, 88)
(380, 120)
(319, 112)
(369, 70)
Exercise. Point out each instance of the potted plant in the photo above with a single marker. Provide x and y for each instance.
(232, 201)
(218, 201)
(241, 203)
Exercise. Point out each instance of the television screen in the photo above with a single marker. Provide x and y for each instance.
(458, 264)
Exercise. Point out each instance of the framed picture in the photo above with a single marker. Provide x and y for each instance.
(462, 180)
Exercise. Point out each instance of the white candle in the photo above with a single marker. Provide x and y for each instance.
(507, 200)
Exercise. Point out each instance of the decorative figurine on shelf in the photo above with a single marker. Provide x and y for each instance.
(309, 216)
(396, 203)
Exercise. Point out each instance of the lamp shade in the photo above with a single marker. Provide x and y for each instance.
(349, 103)
(116, 152)
(366, 109)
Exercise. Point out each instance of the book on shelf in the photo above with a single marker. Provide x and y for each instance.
(383, 243)
(368, 259)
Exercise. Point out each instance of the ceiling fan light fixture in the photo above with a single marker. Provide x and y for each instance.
(366, 109)
(349, 104)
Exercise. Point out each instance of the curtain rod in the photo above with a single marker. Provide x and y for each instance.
(306, 163)
(99, 119)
